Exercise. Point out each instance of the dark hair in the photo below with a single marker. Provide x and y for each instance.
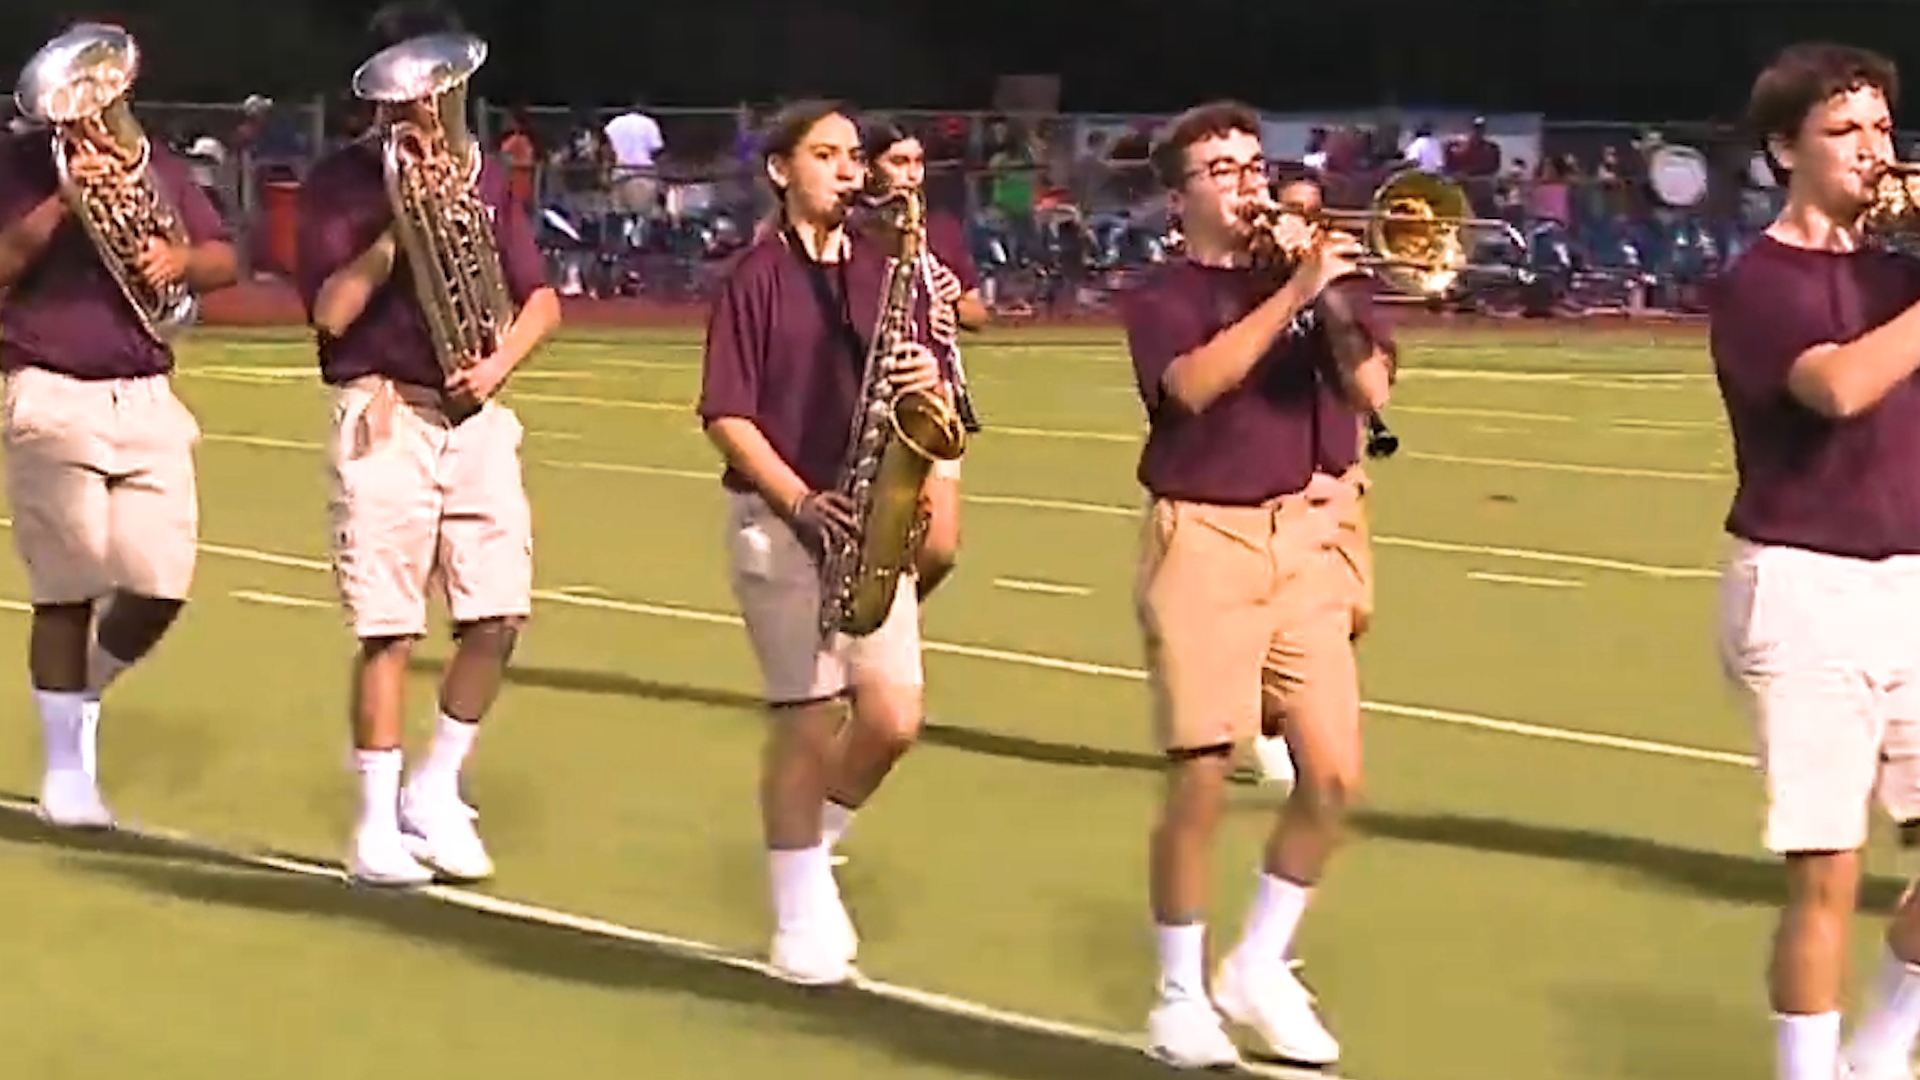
(881, 134)
(1202, 122)
(403, 20)
(1804, 76)
(789, 126)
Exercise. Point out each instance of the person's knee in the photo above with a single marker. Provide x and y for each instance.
(495, 638)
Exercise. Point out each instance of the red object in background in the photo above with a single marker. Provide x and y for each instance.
(279, 209)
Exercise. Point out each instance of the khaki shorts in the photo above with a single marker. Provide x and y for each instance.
(1240, 603)
(420, 506)
(778, 586)
(636, 193)
(100, 475)
(1826, 652)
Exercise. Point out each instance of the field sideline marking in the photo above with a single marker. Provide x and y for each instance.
(1591, 562)
(1523, 579)
(1072, 667)
(669, 944)
(1048, 588)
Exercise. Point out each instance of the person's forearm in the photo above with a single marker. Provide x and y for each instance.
(344, 296)
(745, 448)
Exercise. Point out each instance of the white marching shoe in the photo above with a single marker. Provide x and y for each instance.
(380, 858)
(1186, 1033)
(1271, 1000)
(70, 799)
(442, 831)
(818, 950)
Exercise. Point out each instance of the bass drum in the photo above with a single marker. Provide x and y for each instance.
(1678, 175)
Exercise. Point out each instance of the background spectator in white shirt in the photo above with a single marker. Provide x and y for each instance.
(636, 142)
(1427, 153)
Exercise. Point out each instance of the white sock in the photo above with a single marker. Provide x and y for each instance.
(1183, 961)
(452, 742)
(66, 730)
(1278, 905)
(796, 874)
(1883, 1040)
(379, 789)
(835, 820)
(102, 668)
(1807, 1047)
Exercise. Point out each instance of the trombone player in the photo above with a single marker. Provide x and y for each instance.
(425, 465)
(1245, 465)
(99, 451)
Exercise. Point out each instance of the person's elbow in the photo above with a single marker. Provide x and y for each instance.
(1822, 380)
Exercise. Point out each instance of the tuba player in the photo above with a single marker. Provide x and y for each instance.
(1237, 589)
(421, 503)
(99, 451)
(1816, 339)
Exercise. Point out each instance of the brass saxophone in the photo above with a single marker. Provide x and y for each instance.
(78, 85)
(432, 168)
(896, 439)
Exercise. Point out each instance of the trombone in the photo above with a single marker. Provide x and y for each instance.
(1418, 231)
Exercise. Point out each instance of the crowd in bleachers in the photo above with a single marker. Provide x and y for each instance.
(1061, 213)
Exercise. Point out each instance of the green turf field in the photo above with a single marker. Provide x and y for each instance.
(1559, 875)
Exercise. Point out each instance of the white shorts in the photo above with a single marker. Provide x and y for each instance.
(778, 586)
(1826, 651)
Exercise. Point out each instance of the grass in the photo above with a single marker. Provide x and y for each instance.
(1519, 902)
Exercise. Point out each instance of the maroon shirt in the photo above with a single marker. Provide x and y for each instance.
(67, 313)
(947, 241)
(774, 356)
(1263, 438)
(343, 210)
(1844, 487)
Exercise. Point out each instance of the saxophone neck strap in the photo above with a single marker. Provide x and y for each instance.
(834, 303)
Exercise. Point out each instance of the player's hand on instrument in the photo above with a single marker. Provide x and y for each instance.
(943, 322)
(820, 516)
(1335, 256)
(912, 367)
(479, 381)
(162, 264)
(946, 284)
(1293, 235)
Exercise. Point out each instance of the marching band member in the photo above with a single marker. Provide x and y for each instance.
(99, 451)
(954, 283)
(422, 502)
(1247, 498)
(781, 382)
(1815, 341)
(1353, 571)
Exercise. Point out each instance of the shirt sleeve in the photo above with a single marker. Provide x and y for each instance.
(520, 260)
(736, 347)
(1360, 295)
(25, 180)
(198, 217)
(330, 234)
(1159, 330)
(951, 247)
(1758, 325)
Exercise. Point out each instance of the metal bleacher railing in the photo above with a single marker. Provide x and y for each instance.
(1062, 215)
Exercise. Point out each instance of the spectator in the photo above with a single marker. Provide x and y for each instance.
(1549, 198)
(636, 141)
(1091, 177)
(522, 156)
(1425, 152)
(1315, 159)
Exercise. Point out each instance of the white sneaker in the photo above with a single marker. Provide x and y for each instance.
(69, 799)
(818, 952)
(440, 831)
(1275, 761)
(1271, 1000)
(380, 858)
(1186, 1033)
(1896, 1071)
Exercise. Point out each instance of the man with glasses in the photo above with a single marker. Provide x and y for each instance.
(1235, 593)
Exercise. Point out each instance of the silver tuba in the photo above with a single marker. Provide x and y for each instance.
(432, 167)
(78, 85)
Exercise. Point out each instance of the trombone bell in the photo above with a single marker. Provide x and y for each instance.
(1418, 231)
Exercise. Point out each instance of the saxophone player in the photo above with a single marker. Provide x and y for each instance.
(423, 501)
(900, 162)
(1815, 338)
(99, 451)
(1246, 470)
(782, 380)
